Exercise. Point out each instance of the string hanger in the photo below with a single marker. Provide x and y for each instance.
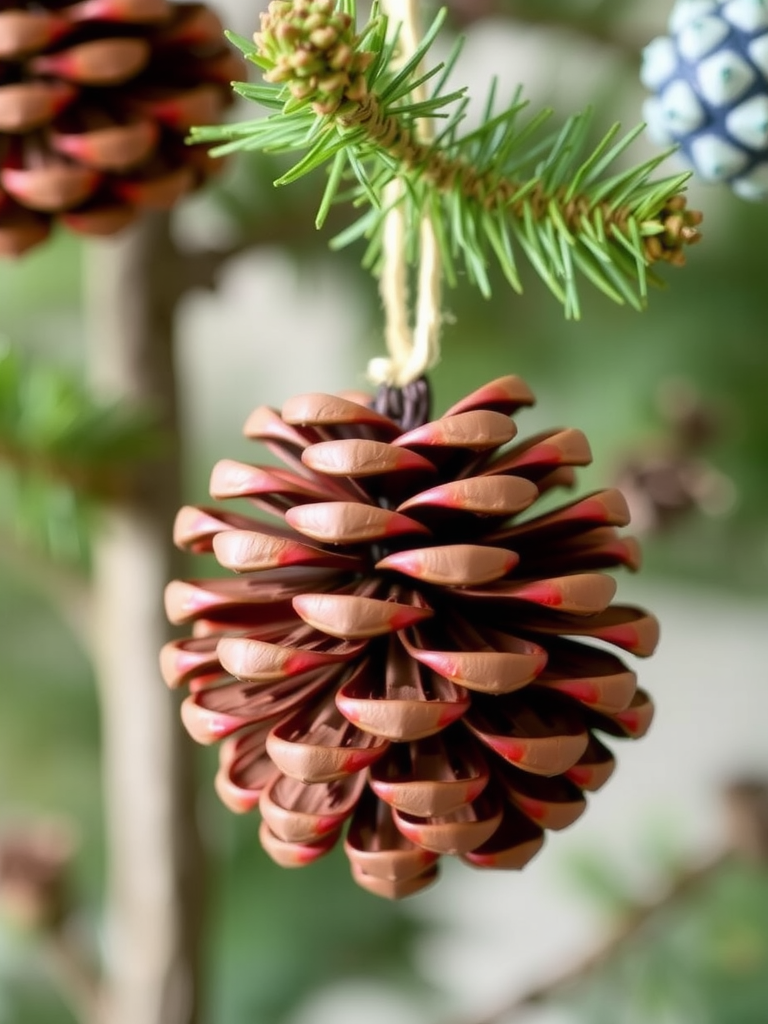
(414, 347)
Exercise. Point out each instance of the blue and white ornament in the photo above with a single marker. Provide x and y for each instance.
(710, 79)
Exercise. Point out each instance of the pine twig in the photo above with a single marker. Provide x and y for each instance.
(634, 922)
(745, 805)
(341, 98)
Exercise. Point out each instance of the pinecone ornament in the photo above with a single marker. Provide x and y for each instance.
(710, 77)
(404, 648)
(96, 98)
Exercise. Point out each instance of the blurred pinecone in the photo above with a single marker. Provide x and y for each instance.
(671, 478)
(95, 101)
(35, 859)
(395, 651)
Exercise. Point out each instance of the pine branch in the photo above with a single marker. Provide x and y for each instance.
(639, 916)
(339, 98)
(61, 453)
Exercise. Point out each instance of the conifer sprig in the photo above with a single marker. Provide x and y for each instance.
(340, 98)
(62, 453)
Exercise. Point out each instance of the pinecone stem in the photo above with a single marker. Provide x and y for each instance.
(153, 847)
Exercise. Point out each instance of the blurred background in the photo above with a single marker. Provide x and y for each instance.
(675, 404)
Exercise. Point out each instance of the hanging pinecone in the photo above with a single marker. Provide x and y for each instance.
(710, 77)
(400, 648)
(95, 101)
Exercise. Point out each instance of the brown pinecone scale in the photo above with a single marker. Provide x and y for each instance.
(96, 98)
(405, 646)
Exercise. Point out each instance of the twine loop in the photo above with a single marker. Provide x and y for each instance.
(413, 349)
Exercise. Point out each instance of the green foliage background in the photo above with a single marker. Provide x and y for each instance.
(601, 374)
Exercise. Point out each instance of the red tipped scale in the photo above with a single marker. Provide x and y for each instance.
(50, 186)
(594, 767)
(630, 628)
(515, 842)
(539, 736)
(348, 522)
(478, 430)
(485, 496)
(231, 479)
(25, 106)
(183, 660)
(126, 11)
(216, 711)
(118, 147)
(432, 777)
(378, 850)
(551, 803)
(537, 456)
(99, 220)
(295, 855)
(317, 744)
(595, 548)
(260, 661)
(252, 551)
(362, 458)
(633, 722)
(195, 527)
(594, 677)
(604, 508)
(388, 889)
(355, 616)
(333, 411)
(452, 565)
(189, 601)
(24, 31)
(156, 189)
(508, 665)
(456, 833)
(506, 395)
(245, 769)
(401, 703)
(582, 594)
(103, 62)
(178, 109)
(296, 813)
(282, 439)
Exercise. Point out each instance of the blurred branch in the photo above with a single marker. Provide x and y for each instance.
(67, 589)
(596, 28)
(635, 920)
(745, 804)
(201, 268)
(155, 858)
(36, 897)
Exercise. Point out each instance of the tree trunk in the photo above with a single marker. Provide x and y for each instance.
(153, 848)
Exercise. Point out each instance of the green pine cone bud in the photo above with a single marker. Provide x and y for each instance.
(313, 49)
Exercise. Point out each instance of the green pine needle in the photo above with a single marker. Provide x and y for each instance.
(62, 453)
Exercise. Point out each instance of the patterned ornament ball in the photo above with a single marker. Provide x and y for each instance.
(96, 98)
(710, 79)
(404, 654)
